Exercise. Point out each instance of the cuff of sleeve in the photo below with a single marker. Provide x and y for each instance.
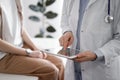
(67, 31)
(66, 28)
(100, 56)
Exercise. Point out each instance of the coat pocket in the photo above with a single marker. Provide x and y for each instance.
(113, 70)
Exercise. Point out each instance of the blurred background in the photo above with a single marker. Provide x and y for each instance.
(42, 20)
(42, 17)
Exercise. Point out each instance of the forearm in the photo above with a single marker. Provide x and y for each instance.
(9, 48)
(28, 41)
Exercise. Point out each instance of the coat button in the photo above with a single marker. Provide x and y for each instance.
(82, 70)
(81, 30)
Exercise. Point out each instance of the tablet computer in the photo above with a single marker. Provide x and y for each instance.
(68, 53)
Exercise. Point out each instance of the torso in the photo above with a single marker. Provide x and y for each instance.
(11, 25)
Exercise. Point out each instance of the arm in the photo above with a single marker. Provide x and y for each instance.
(9, 48)
(27, 40)
(111, 49)
(6, 47)
(67, 38)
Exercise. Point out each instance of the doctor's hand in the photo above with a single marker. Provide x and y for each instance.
(66, 39)
(85, 56)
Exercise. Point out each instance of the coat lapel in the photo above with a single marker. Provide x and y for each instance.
(90, 3)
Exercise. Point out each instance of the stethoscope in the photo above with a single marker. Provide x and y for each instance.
(109, 18)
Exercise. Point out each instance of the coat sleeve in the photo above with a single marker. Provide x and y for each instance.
(111, 50)
(67, 6)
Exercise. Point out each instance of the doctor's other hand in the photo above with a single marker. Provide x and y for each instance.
(38, 54)
(85, 56)
(66, 39)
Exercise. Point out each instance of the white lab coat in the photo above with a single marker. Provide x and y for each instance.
(95, 35)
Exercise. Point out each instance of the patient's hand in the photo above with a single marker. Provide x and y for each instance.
(38, 54)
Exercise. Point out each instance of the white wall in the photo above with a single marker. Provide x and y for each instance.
(34, 27)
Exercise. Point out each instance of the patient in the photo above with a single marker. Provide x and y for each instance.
(15, 57)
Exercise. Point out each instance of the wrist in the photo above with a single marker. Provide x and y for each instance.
(28, 51)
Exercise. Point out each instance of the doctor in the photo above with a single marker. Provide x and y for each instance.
(93, 26)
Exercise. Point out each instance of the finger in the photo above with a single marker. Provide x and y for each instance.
(44, 55)
(61, 41)
(66, 43)
(83, 59)
(71, 41)
(80, 55)
(41, 55)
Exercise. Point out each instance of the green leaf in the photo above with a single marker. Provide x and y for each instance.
(34, 8)
(51, 29)
(50, 15)
(49, 36)
(42, 9)
(49, 2)
(37, 8)
(38, 36)
(39, 4)
(34, 18)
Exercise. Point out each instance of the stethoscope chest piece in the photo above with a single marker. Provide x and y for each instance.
(109, 19)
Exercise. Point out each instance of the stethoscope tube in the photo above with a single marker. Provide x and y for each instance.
(108, 7)
(109, 18)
